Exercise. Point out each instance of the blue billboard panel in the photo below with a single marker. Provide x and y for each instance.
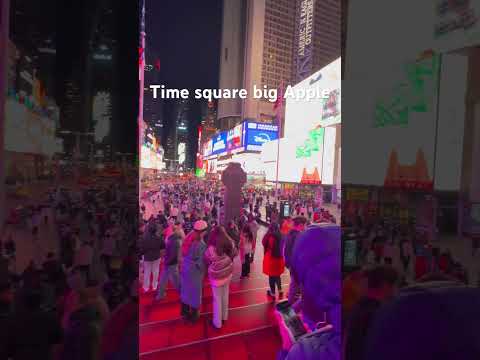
(219, 144)
(258, 133)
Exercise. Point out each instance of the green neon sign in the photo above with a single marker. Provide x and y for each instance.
(312, 144)
(416, 94)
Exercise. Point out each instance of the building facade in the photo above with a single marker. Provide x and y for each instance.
(260, 42)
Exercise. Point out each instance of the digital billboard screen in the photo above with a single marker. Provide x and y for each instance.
(219, 143)
(303, 115)
(257, 134)
(398, 115)
(300, 161)
(234, 137)
(207, 148)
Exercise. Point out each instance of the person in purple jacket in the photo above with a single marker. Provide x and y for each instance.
(316, 265)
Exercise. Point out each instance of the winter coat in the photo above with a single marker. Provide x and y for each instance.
(272, 266)
(288, 246)
(192, 274)
(220, 268)
(151, 245)
(173, 250)
(316, 345)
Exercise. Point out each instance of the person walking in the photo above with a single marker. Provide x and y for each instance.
(219, 258)
(273, 260)
(173, 236)
(151, 247)
(406, 254)
(246, 250)
(193, 271)
(298, 227)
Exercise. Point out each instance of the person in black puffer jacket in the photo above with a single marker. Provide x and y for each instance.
(150, 247)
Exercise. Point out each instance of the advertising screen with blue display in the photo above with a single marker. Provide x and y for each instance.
(219, 145)
(258, 134)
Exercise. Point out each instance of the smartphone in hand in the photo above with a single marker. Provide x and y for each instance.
(292, 321)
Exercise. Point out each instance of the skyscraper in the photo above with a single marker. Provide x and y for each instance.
(317, 36)
(263, 43)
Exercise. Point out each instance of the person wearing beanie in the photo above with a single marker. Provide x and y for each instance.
(316, 265)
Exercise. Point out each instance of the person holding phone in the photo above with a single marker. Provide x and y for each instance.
(316, 264)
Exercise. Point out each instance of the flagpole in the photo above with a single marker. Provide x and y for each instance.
(140, 102)
(279, 112)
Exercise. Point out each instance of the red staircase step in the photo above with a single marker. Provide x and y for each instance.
(158, 336)
(260, 344)
(159, 311)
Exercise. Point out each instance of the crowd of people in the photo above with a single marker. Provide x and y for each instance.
(409, 249)
(404, 293)
(79, 300)
(183, 241)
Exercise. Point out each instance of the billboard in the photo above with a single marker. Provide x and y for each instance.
(329, 152)
(300, 161)
(302, 115)
(304, 38)
(208, 148)
(151, 158)
(29, 131)
(235, 137)
(456, 25)
(181, 153)
(257, 134)
(399, 113)
(219, 143)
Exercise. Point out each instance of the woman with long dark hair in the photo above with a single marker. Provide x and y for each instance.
(273, 261)
(219, 257)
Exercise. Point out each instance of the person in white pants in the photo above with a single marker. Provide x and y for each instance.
(219, 257)
(151, 246)
(150, 272)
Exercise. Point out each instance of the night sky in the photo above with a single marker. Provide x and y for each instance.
(186, 35)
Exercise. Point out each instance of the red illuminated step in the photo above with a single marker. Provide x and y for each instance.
(262, 344)
(168, 335)
(246, 284)
(171, 311)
